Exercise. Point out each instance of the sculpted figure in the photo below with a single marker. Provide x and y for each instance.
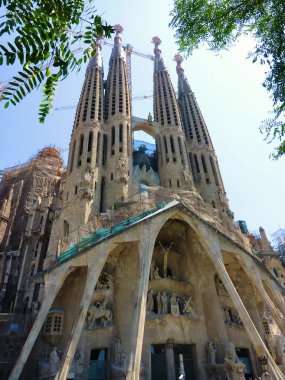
(99, 312)
(164, 301)
(156, 275)
(54, 361)
(159, 303)
(232, 362)
(174, 306)
(189, 309)
(227, 316)
(150, 303)
(221, 290)
(79, 363)
(211, 350)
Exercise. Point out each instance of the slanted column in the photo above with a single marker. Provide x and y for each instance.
(53, 284)
(277, 299)
(146, 246)
(255, 279)
(95, 267)
(214, 252)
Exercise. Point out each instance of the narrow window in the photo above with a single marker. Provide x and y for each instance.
(170, 184)
(204, 164)
(112, 176)
(104, 153)
(102, 194)
(72, 157)
(90, 141)
(121, 133)
(75, 190)
(65, 228)
(214, 171)
(196, 163)
(178, 183)
(98, 147)
(165, 144)
(33, 267)
(113, 136)
(36, 250)
(172, 145)
(80, 150)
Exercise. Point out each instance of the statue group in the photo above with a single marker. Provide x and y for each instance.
(231, 317)
(163, 303)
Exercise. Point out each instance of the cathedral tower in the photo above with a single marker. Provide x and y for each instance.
(80, 191)
(202, 157)
(117, 144)
(174, 170)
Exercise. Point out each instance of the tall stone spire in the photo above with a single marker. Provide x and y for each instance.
(202, 157)
(173, 165)
(90, 105)
(117, 100)
(80, 193)
(117, 143)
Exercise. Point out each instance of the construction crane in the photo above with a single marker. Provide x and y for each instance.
(65, 108)
(128, 50)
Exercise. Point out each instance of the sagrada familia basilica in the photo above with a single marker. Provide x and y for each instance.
(125, 265)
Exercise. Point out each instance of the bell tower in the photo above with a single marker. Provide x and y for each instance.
(117, 142)
(80, 192)
(173, 165)
(202, 156)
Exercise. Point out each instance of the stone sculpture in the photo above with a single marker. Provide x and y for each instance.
(99, 312)
(233, 366)
(211, 352)
(159, 303)
(164, 301)
(189, 309)
(221, 290)
(150, 302)
(174, 306)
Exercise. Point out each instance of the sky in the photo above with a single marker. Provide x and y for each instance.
(227, 87)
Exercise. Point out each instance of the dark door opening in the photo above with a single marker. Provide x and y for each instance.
(98, 364)
(188, 353)
(243, 355)
(158, 362)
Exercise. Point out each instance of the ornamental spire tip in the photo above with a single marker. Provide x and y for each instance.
(118, 29)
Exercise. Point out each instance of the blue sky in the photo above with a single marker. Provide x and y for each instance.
(227, 87)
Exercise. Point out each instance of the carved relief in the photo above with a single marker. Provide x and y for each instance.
(86, 184)
(163, 303)
(211, 351)
(49, 363)
(99, 315)
(232, 362)
(122, 174)
(221, 290)
(231, 317)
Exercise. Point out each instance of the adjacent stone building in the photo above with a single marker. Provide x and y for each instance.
(135, 268)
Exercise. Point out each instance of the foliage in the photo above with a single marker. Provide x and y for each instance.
(43, 36)
(219, 23)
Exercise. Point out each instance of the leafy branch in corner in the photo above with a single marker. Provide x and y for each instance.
(220, 23)
(48, 39)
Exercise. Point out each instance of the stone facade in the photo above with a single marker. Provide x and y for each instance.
(144, 275)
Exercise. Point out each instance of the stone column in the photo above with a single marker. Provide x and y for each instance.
(254, 277)
(146, 245)
(170, 361)
(53, 283)
(212, 245)
(95, 261)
